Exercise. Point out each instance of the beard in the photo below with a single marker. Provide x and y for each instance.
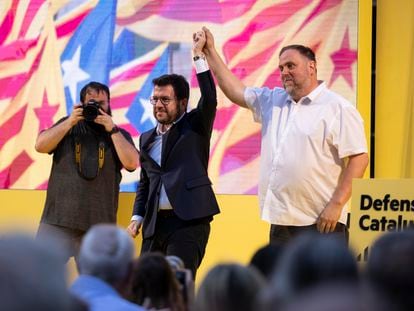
(169, 117)
(289, 88)
(292, 88)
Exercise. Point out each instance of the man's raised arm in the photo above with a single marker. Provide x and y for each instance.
(231, 86)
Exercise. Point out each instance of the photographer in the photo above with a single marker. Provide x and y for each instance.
(89, 151)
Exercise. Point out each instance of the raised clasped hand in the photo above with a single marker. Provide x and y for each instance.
(199, 40)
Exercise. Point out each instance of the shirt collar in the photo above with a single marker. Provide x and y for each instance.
(159, 125)
(316, 91)
(311, 96)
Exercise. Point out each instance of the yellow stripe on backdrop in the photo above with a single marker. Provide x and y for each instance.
(236, 233)
(364, 66)
(394, 120)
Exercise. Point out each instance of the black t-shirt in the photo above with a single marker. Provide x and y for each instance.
(75, 198)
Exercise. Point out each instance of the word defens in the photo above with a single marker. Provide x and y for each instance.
(398, 214)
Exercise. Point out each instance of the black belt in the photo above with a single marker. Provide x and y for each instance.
(169, 213)
(166, 213)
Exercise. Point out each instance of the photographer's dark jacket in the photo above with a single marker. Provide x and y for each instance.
(81, 194)
(184, 162)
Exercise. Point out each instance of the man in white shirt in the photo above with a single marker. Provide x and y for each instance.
(313, 144)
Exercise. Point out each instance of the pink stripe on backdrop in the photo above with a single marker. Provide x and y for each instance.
(134, 72)
(12, 126)
(247, 66)
(31, 12)
(8, 21)
(322, 6)
(130, 129)
(70, 25)
(270, 17)
(206, 10)
(122, 101)
(234, 8)
(16, 50)
(273, 79)
(43, 186)
(10, 86)
(241, 153)
(15, 170)
(151, 8)
(224, 116)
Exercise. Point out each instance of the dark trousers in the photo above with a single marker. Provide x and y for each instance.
(185, 239)
(67, 240)
(283, 234)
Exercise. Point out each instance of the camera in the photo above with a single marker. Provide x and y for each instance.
(184, 278)
(90, 110)
(181, 277)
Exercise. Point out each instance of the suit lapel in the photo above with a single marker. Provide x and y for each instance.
(170, 138)
(146, 139)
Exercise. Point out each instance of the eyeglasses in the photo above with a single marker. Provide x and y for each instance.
(164, 100)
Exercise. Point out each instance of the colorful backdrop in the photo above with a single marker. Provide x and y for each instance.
(50, 49)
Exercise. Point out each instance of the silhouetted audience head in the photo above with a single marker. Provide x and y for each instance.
(153, 284)
(32, 276)
(390, 271)
(332, 297)
(106, 253)
(229, 287)
(310, 260)
(266, 258)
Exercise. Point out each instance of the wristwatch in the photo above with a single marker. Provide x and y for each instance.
(197, 57)
(114, 130)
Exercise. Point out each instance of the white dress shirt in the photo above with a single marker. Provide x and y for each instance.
(303, 149)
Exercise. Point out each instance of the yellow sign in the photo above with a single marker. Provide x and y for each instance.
(379, 206)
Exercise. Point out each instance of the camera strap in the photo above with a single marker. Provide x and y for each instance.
(88, 158)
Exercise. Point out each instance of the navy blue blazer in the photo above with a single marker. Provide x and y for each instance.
(184, 161)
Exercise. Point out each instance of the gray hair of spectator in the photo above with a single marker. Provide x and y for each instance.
(106, 252)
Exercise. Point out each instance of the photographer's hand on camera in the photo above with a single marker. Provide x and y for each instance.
(76, 115)
(105, 120)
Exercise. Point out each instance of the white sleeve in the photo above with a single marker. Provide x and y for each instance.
(201, 64)
(349, 135)
(137, 217)
(251, 97)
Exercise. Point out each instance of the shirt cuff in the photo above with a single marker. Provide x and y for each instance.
(200, 64)
(137, 217)
(249, 96)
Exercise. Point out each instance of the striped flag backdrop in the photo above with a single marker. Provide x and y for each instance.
(49, 49)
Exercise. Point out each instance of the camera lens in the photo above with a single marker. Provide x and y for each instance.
(90, 110)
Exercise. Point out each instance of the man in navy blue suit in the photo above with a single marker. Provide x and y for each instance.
(175, 202)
